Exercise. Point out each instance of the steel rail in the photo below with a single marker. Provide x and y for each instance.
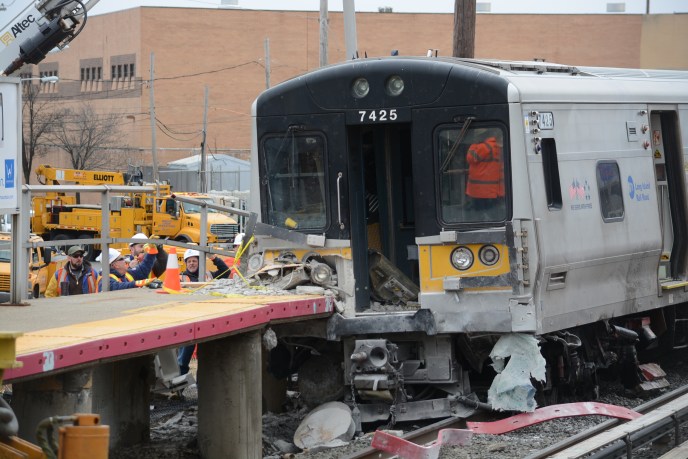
(428, 434)
(421, 436)
(606, 425)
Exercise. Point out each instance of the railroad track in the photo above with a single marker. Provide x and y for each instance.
(613, 438)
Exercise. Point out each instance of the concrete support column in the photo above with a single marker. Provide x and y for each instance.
(274, 390)
(229, 397)
(121, 396)
(60, 395)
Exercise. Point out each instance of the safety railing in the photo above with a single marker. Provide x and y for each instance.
(21, 244)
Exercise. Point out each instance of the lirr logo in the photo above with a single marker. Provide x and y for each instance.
(9, 173)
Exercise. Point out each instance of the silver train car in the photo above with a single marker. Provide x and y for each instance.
(467, 215)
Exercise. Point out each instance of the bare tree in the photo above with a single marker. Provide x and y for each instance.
(464, 28)
(39, 118)
(89, 139)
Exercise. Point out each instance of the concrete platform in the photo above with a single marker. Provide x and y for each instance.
(59, 333)
(93, 353)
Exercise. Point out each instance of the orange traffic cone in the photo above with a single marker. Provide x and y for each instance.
(171, 283)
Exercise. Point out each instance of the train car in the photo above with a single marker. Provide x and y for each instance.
(456, 204)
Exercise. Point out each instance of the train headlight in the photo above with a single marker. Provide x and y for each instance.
(360, 88)
(321, 274)
(395, 85)
(462, 258)
(488, 255)
(255, 262)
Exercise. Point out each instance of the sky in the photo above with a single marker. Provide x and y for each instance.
(416, 6)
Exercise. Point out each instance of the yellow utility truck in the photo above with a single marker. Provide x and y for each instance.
(60, 216)
(41, 266)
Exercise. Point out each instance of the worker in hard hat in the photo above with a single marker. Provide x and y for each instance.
(136, 249)
(137, 253)
(122, 278)
(191, 260)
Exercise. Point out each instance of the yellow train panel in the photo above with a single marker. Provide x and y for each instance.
(435, 265)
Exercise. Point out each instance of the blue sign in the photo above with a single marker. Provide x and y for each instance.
(9, 173)
(638, 191)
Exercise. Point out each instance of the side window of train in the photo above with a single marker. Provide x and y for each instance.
(550, 168)
(295, 180)
(611, 194)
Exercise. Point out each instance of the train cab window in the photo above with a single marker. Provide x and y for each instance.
(611, 194)
(295, 174)
(471, 174)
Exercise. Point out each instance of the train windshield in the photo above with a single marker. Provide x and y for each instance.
(471, 171)
(295, 180)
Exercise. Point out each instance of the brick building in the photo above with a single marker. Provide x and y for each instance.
(109, 64)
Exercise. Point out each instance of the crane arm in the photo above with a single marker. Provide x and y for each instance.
(30, 29)
(47, 175)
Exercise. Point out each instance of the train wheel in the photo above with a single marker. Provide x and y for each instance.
(321, 380)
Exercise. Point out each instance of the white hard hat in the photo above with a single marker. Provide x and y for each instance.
(238, 238)
(137, 236)
(113, 254)
(191, 253)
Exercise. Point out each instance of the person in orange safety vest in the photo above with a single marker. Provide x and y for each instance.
(485, 173)
(122, 278)
(77, 276)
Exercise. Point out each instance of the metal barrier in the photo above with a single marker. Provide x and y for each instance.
(21, 231)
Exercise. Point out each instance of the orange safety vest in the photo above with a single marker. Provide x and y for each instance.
(61, 276)
(127, 276)
(186, 278)
(485, 170)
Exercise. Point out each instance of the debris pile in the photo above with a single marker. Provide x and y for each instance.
(238, 287)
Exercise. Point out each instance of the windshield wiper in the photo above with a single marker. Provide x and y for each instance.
(455, 147)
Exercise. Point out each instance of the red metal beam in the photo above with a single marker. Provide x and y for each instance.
(565, 410)
(407, 450)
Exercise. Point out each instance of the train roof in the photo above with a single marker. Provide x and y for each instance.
(476, 81)
(537, 81)
(550, 68)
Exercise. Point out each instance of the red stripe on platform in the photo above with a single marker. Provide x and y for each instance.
(103, 349)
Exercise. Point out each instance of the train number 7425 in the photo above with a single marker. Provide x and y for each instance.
(379, 115)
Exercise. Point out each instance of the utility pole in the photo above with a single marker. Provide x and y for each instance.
(350, 29)
(204, 161)
(464, 28)
(647, 6)
(152, 119)
(324, 27)
(267, 63)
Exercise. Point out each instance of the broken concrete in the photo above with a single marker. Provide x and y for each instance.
(328, 426)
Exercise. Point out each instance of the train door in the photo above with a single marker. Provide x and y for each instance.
(381, 211)
(671, 195)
